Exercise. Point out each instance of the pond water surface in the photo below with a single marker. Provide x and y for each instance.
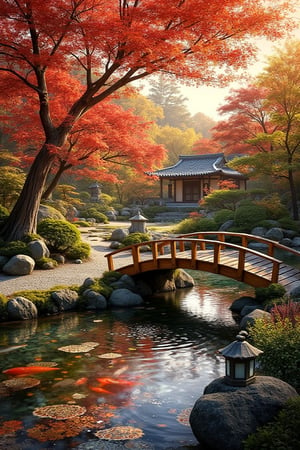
(127, 378)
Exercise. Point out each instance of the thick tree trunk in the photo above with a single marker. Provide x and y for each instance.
(23, 218)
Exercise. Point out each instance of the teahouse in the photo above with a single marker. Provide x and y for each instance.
(193, 177)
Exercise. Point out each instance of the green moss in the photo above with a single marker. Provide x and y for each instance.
(282, 433)
(135, 238)
(13, 248)
(81, 250)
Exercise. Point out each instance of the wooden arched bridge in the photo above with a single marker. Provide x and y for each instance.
(223, 253)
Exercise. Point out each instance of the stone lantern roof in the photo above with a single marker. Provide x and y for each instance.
(240, 349)
(139, 217)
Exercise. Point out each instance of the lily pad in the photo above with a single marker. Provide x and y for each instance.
(110, 355)
(59, 412)
(120, 433)
(79, 348)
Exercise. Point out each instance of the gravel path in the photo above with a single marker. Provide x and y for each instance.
(67, 274)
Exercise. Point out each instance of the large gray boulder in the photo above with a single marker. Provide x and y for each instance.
(19, 308)
(118, 235)
(275, 234)
(249, 319)
(124, 297)
(95, 301)
(240, 303)
(65, 299)
(296, 241)
(259, 231)
(38, 249)
(19, 265)
(224, 416)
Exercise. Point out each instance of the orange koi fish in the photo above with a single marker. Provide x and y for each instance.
(30, 369)
(81, 381)
(99, 390)
(119, 382)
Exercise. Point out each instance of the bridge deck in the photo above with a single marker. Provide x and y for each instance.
(234, 261)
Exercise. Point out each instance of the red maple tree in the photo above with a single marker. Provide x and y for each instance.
(247, 116)
(106, 45)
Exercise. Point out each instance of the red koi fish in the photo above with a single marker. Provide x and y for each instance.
(99, 390)
(27, 370)
(119, 382)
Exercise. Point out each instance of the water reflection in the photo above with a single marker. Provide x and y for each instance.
(145, 370)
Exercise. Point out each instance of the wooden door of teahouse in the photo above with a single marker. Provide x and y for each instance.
(191, 191)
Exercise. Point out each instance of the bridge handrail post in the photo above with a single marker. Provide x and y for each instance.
(275, 272)
(194, 252)
(241, 261)
(244, 241)
(154, 249)
(217, 252)
(202, 243)
(110, 262)
(182, 245)
(135, 251)
(173, 251)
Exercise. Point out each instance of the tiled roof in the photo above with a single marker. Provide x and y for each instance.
(192, 165)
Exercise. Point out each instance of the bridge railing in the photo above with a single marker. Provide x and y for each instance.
(243, 238)
(172, 249)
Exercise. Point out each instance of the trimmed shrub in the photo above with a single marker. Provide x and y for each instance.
(13, 248)
(289, 224)
(223, 215)
(135, 238)
(59, 235)
(192, 225)
(248, 216)
(81, 250)
(270, 293)
(223, 199)
(282, 433)
(94, 213)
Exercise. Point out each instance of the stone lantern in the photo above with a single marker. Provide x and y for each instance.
(240, 361)
(95, 191)
(138, 223)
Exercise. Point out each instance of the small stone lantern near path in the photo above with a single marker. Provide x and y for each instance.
(240, 361)
(138, 223)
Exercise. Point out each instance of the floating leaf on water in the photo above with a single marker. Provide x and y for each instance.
(54, 430)
(9, 427)
(43, 364)
(79, 348)
(110, 355)
(183, 417)
(20, 383)
(59, 412)
(120, 433)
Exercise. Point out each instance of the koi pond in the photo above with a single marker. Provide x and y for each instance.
(119, 379)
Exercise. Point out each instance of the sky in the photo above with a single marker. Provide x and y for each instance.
(207, 99)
